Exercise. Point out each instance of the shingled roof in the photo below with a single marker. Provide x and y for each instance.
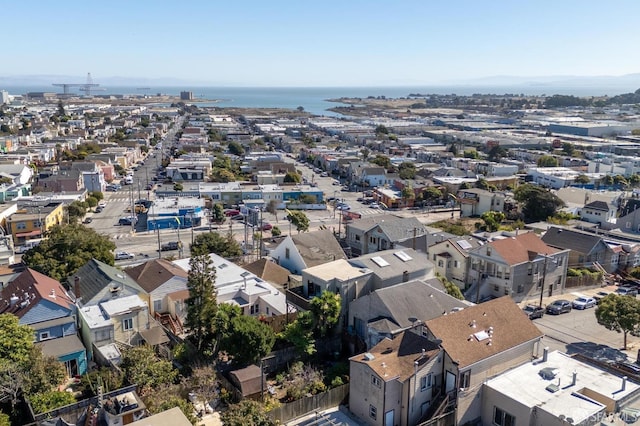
(580, 242)
(518, 249)
(152, 274)
(269, 271)
(318, 247)
(31, 287)
(395, 358)
(481, 331)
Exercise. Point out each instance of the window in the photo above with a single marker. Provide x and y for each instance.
(286, 253)
(44, 335)
(127, 324)
(440, 263)
(425, 382)
(502, 418)
(455, 264)
(465, 379)
(529, 269)
(157, 305)
(357, 237)
(373, 412)
(21, 225)
(488, 251)
(375, 380)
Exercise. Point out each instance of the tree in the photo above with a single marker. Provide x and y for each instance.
(213, 242)
(547, 161)
(382, 161)
(248, 340)
(178, 187)
(202, 305)
(222, 175)
(634, 179)
(16, 340)
(538, 203)
(582, 179)
(5, 420)
(68, 248)
(326, 311)
(407, 193)
(76, 210)
(496, 153)
(299, 220)
(381, 130)
(272, 207)
(235, 148)
(407, 170)
(246, 413)
(143, 367)
(166, 397)
(217, 213)
(42, 373)
(300, 334)
(275, 231)
(292, 177)
(47, 401)
(432, 194)
(451, 289)
(619, 313)
(365, 153)
(91, 202)
(492, 220)
(568, 148)
(607, 180)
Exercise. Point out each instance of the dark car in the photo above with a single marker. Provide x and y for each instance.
(559, 307)
(599, 296)
(173, 245)
(533, 311)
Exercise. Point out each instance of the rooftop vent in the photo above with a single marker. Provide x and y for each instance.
(369, 356)
(553, 388)
(548, 373)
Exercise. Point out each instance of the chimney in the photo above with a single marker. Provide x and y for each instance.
(76, 287)
(545, 354)
(624, 382)
(574, 378)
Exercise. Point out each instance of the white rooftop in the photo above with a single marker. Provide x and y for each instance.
(94, 317)
(122, 305)
(526, 386)
(339, 269)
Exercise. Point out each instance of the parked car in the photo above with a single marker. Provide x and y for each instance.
(127, 220)
(172, 245)
(123, 255)
(583, 302)
(627, 291)
(343, 207)
(266, 226)
(533, 311)
(231, 212)
(87, 220)
(600, 295)
(374, 205)
(559, 307)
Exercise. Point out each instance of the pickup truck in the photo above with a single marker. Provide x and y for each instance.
(172, 245)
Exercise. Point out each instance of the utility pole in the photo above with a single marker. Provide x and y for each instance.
(544, 276)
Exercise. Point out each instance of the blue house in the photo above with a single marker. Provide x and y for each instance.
(42, 303)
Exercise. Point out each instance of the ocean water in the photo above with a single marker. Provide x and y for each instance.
(315, 99)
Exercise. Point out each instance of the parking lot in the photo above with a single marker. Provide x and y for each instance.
(579, 331)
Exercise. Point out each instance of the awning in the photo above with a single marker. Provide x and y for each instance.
(154, 336)
(29, 234)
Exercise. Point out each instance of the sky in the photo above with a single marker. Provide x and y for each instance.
(321, 43)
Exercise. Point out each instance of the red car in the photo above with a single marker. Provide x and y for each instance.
(231, 212)
(266, 226)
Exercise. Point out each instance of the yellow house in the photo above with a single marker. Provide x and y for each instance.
(33, 220)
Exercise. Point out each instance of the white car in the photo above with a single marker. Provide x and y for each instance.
(343, 207)
(374, 205)
(583, 302)
(123, 255)
(102, 204)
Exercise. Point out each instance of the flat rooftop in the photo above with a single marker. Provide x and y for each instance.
(526, 386)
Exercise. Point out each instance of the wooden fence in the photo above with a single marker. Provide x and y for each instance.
(310, 404)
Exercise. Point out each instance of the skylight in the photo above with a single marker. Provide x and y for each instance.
(464, 244)
(481, 335)
(403, 256)
(379, 261)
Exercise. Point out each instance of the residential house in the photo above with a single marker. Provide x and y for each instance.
(337, 276)
(475, 201)
(237, 286)
(390, 267)
(372, 176)
(20, 174)
(585, 249)
(480, 342)
(387, 312)
(33, 219)
(560, 390)
(383, 232)
(171, 417)
(65, 180)
(451, 258)
(97, 282)
(43, 304)
(521, 266)
(300, 251)
(599, 212)
(269, 271)
(396, 382)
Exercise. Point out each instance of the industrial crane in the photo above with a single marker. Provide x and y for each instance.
(87, 87)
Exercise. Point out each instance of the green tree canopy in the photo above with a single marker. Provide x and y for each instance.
(68, 248)
(292, 177)
(492, 220)
(568, 148)
(76, 210)
(582, 179)
(235, 148)
(432, 194)
(326, 311)
(496, 153)
(143, 367)
(248, 340)
(202, 305)
(47, 401)
(300, 334)
(16, 340)
(246, 413)
(217, 213)
(299, 219)
(619, 313)
(382, 161)
(538, 203)
(407, 170)
(213, 242)
(547, 161)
